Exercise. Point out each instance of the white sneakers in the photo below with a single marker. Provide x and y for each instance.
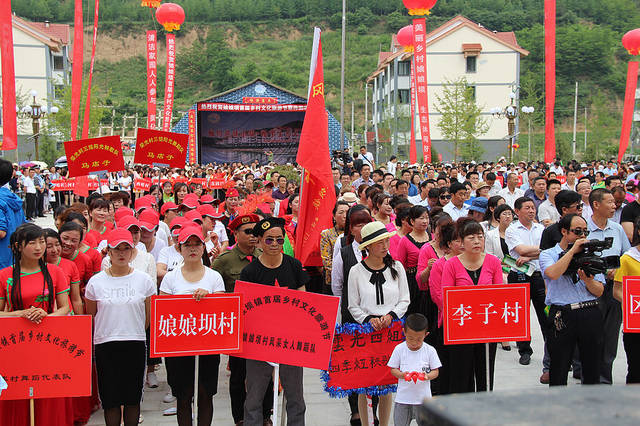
(170, 411)
(152, 380)
(168, 398)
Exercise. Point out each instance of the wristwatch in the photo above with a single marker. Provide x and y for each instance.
(427, 371)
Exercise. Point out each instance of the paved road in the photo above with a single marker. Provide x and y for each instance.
(325, 411)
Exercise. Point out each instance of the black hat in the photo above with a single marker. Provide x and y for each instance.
(265, 224)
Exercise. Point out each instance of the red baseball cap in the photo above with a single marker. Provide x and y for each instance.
(190, 231)
(119, 236)
(190, 202)
(207, 210)
(152, 199)
(168, 206)
(142, 203)
(127, 222)
(149, 216)
(178, 222)
(232, 192)
(207, 199)
(122, 212)
(193, 215)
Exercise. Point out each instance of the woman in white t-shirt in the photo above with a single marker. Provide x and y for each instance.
(119, 299)
(196, 279)
(141, 260)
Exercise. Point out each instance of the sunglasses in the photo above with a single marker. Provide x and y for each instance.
(579, 206)
(248, 231)
(445, 197)
(580, 231)
(269, 241)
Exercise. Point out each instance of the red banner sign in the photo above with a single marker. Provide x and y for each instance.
(85, 156)
(413, 155)
(192, 154)
(76, 72)
(47, 360)
(159, 147)
(549, 79)
(152, 77)
(87, 108)
(220, 183)
(219, 106)
(486, 313)
(259, 100)
(359, 360)
(182, 326)
(629, 102)
(170, 78)
(420, 57)
(9, 123)
(142, 184)
(631, 304)
(287, 326)
(62, 184)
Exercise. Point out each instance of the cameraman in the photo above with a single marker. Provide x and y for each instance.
(600, 227)
(574, 316)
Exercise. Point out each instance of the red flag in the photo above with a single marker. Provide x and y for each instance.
(76, 73)
(549, 79)
(87, 108)
(9, 130)
(317, 196)
(629, 101)
(152, 77)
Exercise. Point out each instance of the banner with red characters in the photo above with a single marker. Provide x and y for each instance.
(192, 151)
(152, 77)
(420, 64)
(85, 156)
(10, 129)
(170, 78)
(160, 147)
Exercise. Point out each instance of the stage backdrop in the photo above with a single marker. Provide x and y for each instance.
(235, 136)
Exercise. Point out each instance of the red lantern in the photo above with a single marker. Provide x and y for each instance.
(170, 16)
(516, 145)
(419, 7)
(631, 41)
(153, 4)
(405, 38)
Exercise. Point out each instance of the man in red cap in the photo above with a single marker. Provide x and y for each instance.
(229, 264)
(216, 242)
(168, 212)
(149, 220)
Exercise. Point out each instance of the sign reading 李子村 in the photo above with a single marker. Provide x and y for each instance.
(182, 326)
(47, 360)
(486, 313)
(287, 326)
(631, 304)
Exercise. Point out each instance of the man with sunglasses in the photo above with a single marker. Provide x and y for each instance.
(567, 202)
(600, 227)
(230, 264)
(574, 317)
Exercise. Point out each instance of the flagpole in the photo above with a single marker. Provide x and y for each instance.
(342, 57)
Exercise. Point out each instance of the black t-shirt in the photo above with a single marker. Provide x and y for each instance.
(550, 236)
(630, 212)
(289, 274)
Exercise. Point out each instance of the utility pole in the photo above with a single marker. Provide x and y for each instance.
(575, 123)
(395, 106)
(353, 133)
(585, 129)
(344, 30)
(366, 109)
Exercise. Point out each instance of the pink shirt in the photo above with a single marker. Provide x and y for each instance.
(393, 246)
(407, 253)
(455, 274)
(435, 285)
(426, 253)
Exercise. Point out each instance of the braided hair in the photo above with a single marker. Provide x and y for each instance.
(24, 234)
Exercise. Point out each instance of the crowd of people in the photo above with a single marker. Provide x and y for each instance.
(401, 233)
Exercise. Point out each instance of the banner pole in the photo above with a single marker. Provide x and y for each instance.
(32, 418)
(487, 365)
(276, 385)
(195, 389)
(283, 416)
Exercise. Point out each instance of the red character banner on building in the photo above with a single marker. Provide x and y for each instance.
(62, 185)
(182, 326)
(420, 64)
(631, 304)
(159, 147)
(486, 313)
(192, 154)
(152, 77)
(85, 156)
(170, 78)
(359, 359)
(47, 360)
(287, 326)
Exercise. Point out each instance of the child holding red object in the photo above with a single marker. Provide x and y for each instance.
(415, 364)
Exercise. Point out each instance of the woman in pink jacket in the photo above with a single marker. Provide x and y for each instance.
(472, 267)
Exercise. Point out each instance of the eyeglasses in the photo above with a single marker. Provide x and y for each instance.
(446, 197)
(248, 231)
(269, 241)
(580, 231)
(579, 206)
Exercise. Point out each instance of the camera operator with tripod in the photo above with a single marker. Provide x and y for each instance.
(572, 297)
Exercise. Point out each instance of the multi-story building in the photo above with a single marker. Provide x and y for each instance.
(490, 62)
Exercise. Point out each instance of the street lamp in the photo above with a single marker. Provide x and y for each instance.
(35, 112)
(527, 110)
(510, 112)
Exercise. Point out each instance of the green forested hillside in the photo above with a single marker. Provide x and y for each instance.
(243, 39)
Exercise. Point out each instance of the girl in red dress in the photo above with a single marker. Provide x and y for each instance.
(33, 290)
(54, 248)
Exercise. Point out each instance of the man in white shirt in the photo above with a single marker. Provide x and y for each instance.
(125, 181)
(523, 240)
(392, 165)
(456, 207)
(511, 193)
(422, 199)
(366, 157)
(584, 189)
(547, 211)
(556, 168)
(30, 193)
(571, 180)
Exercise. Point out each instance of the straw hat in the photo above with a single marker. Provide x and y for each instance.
(373, 232)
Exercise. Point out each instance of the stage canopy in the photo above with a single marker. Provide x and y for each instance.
(247, 123)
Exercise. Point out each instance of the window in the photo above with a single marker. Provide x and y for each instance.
(58, 63)
(471, 63)
(404, 96)
(473, 91)
(58, 91)
(404, 68)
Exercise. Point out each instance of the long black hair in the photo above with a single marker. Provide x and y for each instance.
(363, 216)
(24, 234)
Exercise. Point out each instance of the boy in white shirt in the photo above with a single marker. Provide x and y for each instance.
(414, 363)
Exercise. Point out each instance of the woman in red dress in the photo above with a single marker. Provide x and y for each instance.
(33, 290)
(54, 248)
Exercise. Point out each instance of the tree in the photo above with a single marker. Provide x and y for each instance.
(601, 130)
(461, 122)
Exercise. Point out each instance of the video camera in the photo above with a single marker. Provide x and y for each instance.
(590, 259)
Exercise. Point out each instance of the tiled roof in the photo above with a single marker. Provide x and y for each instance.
(57, 31)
